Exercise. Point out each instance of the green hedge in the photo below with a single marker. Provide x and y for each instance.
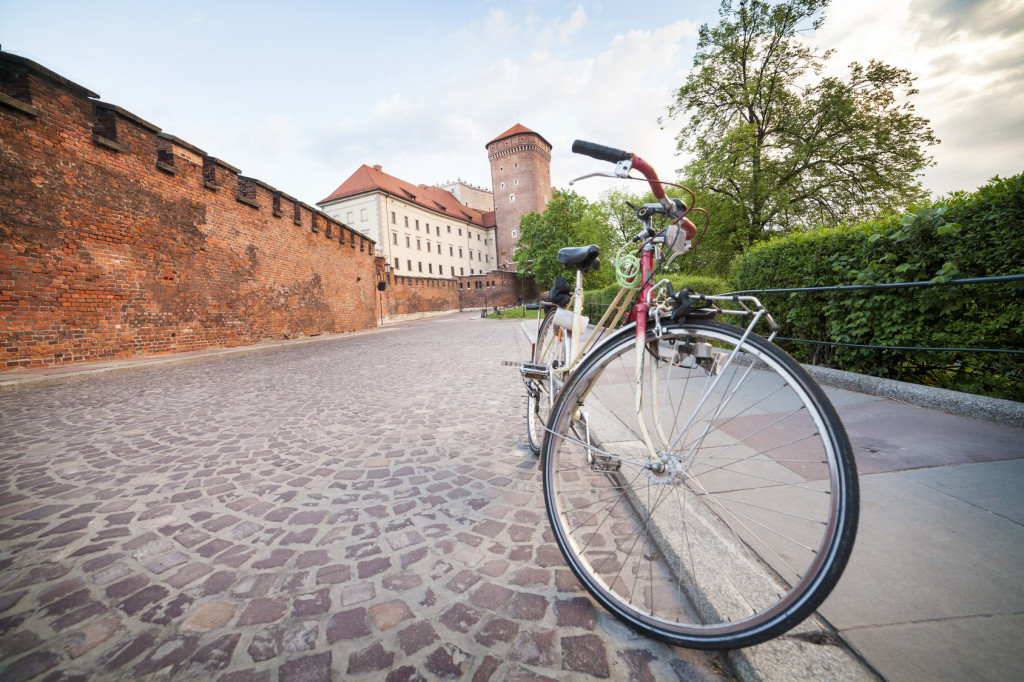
(960, 236)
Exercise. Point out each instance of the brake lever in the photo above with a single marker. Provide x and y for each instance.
(622, 169)
(593, 175)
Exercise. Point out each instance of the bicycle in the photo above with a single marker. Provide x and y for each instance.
(698, 482)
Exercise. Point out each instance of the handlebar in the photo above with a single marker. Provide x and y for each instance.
(600, 152)
(612, 155)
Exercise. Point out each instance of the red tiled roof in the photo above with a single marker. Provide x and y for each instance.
(371, 178)
(517, 129)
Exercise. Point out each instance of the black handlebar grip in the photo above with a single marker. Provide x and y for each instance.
(599, 151)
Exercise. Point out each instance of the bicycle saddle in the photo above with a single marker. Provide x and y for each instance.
(581, 257)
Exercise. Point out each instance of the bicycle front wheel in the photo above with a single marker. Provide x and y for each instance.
(552, 350)
(702, 489)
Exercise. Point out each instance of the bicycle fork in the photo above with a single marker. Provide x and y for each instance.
(641, 310)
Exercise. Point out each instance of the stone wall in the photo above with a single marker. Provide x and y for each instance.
(118, 240)
(412, 297)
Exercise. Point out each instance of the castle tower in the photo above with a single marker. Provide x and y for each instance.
(521, 180)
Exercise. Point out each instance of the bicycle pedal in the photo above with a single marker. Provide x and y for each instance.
(533, 370)
(604, 463)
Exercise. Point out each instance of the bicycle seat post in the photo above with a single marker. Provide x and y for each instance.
(577, 316)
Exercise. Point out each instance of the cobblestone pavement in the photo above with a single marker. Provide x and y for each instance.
(361, 508)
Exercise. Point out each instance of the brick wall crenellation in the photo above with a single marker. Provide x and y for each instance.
(118, 240)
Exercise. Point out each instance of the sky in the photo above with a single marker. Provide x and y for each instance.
(300, 94)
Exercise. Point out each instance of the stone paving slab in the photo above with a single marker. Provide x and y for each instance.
(363, 508)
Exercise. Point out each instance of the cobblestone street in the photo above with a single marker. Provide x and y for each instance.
(358, 508)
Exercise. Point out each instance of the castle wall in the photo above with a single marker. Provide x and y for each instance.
(117, 240)
(497, 288)
(410, 297)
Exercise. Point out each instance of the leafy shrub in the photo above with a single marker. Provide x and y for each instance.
(961, 236)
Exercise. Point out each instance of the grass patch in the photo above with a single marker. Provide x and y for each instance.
(509, 313)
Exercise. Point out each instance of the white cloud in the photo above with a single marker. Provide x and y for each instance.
(969, 66)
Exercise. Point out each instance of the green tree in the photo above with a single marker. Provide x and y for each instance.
(568, 220)
(780, 147)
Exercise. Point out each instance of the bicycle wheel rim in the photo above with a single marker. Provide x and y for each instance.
(745, 534)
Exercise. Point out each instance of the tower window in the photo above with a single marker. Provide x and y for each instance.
(511, 198)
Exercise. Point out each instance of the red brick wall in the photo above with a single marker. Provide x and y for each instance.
(117, 240)
(495, 288)
(410, 296)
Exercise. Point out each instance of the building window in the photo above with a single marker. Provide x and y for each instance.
(513, 234)
(417, 224)
(393, 217)
(502, 186)
(460, 231)
(511, 198)
(408, 264)
(406, 221)
(516, 181)
(420, 264)
(478, 236)
(430, 268)
(407, 244)
(460, 252)
(462, 272)
(438, 228)
(362, 215)
(394, 238)
(449, 229)
(396, 264)
(451, 250)
(348, 217)
(418, 246)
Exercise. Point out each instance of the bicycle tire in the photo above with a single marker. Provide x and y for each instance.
(751, 523)
(552, 348)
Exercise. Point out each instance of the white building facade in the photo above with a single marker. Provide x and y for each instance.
(420, 230)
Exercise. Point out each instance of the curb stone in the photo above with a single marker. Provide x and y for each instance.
(1007, 412)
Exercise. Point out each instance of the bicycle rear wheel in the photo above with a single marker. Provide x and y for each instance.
(552, 350)
(745, 526)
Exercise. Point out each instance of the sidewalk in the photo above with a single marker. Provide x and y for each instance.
(934, 589)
